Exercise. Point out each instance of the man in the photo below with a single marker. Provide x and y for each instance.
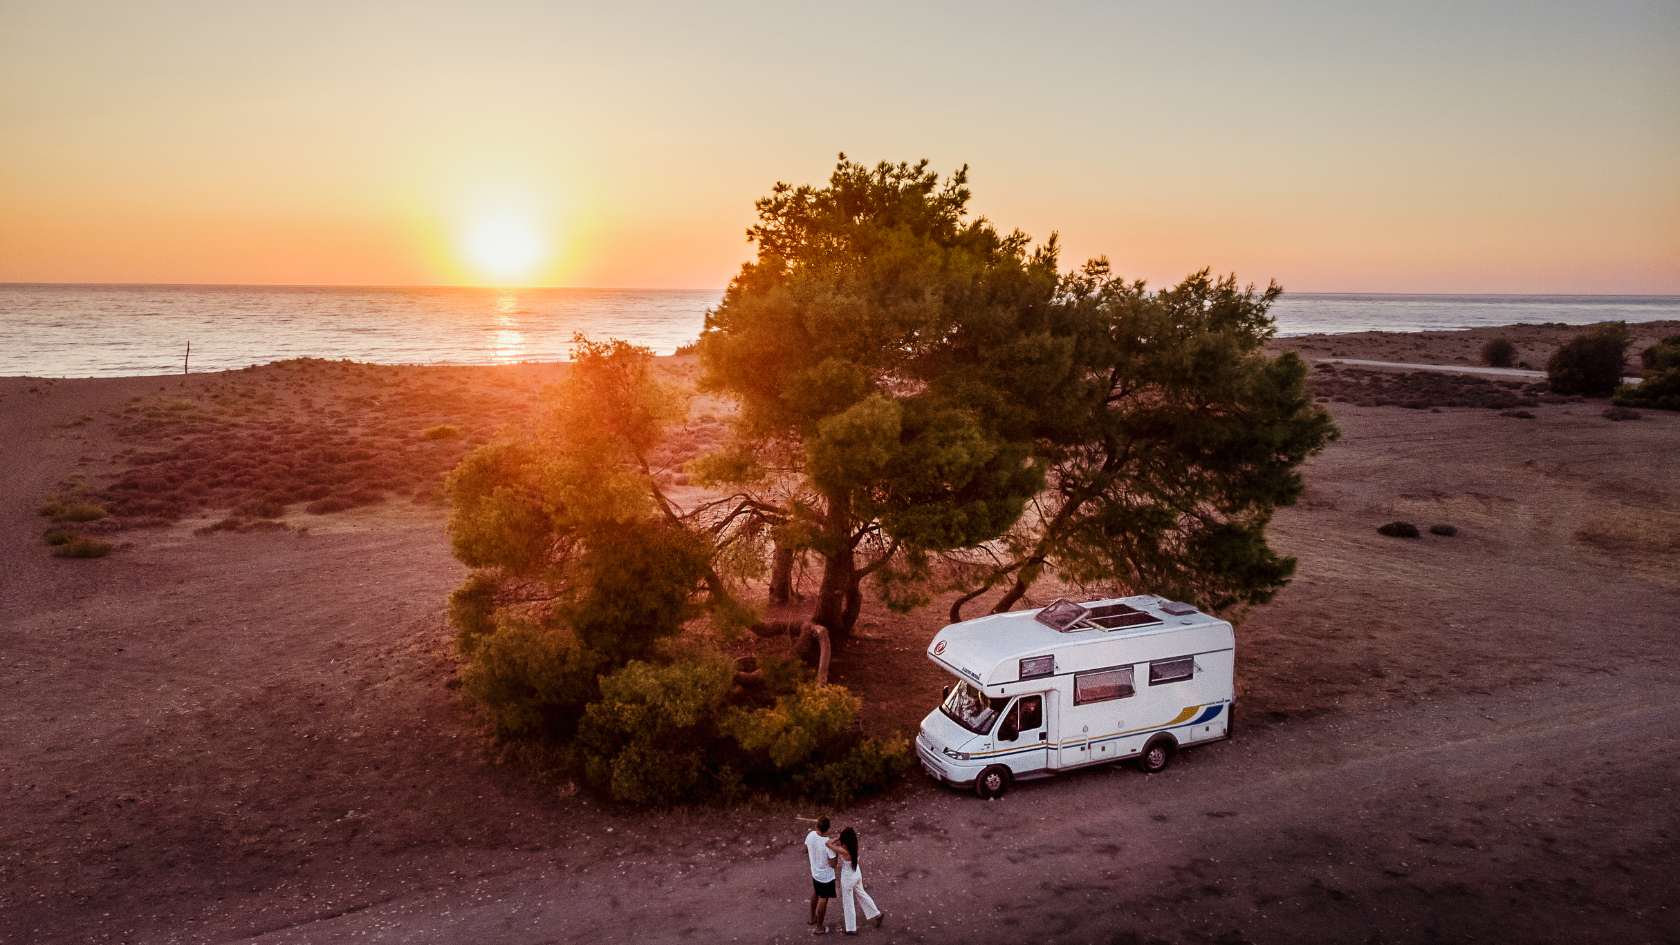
(822, 874)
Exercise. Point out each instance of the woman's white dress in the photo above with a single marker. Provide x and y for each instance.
(851, 883)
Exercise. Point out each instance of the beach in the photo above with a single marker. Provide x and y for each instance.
(242, 726)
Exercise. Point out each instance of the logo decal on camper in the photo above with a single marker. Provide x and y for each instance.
(939, 648)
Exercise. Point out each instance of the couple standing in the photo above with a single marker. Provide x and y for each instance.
(825, 854)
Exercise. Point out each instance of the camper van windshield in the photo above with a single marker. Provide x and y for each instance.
(970, 708)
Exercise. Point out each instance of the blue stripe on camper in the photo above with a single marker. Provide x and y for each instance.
(1209, 714)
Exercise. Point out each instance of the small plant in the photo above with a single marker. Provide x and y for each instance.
(443, 431)
(73, 510)
(1620, 413)
(1399, 530)
(1590, 365)
(1517, 414)
(80, 546)
(1445, 531)
(1500, 353)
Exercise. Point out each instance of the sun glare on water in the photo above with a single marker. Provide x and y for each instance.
(504, 249)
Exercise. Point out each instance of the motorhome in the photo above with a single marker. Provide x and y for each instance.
(1036, 692)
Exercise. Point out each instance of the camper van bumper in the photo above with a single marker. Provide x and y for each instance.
(942, 769)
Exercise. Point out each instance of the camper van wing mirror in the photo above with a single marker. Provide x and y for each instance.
(944, 693)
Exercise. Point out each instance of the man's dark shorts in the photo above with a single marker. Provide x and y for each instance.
(823, 890)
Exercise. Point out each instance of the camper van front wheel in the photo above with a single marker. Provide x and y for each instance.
(992, 782)
(1156, 755)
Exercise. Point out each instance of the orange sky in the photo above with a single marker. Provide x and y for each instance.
(1526, 148)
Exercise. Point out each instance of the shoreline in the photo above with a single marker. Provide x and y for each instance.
(1432, 346)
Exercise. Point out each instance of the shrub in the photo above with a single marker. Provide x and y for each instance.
(1659, 387)
(1662, 356)
(1445, 531)
(443, 431)
(82, 547)
(330, 504)
(531, 680)
(1619, 413)
(646, 740)
(1517, 414)
(1590, 365)
(870, 767)
(1499, 352)
(1399, 530)
(73, 510)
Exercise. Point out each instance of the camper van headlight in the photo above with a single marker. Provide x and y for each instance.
(959, 755)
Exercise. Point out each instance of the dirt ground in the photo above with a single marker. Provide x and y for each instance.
(251, 736)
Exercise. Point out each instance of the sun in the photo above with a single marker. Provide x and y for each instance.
(504, 248)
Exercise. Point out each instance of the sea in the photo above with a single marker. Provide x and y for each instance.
(115, 330)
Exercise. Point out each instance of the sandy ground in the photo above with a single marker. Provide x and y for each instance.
(251, 737)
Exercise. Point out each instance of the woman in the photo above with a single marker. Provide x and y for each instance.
(851, 881)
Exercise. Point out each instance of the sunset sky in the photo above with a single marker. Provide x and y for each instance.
(1420, 147)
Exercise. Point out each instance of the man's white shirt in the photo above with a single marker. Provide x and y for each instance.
(817, 846)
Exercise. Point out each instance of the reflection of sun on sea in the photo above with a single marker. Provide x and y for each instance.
(509, 341)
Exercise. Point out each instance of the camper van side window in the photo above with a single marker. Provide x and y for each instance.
(1102, 685)
(1173, 670)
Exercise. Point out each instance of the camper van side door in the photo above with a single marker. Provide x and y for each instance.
(1024, 733)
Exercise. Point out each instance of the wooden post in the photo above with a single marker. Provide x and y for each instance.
(184, 357)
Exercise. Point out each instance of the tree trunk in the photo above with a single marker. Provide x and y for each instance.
(854, 602)
(839, 569)
(781, 575)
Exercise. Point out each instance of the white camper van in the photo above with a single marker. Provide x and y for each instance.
(1070, 685)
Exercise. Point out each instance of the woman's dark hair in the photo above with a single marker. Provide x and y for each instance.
(848, 839)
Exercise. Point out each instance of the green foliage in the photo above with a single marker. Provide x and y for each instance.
(1399, 530)
(1659, 386)
(914, 377)
(1499, 352)
(635, 585)
(472, 610)
(872, 765)
(648, 738)
(1662, 356)
(812, 721)
(531, 680)
(1590, 364)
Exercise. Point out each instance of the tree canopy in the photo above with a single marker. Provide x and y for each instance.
(927, 401)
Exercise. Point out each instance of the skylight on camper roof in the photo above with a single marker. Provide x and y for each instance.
(1061, 615)
(1066, 616)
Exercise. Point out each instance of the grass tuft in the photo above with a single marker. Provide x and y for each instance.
(80, 546)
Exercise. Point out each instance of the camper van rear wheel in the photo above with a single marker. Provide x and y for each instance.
(992, 782)
(1156, 755)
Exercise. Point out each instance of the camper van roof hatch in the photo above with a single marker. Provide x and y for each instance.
(1066, 616)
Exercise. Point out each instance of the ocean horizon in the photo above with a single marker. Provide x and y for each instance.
(112, 330)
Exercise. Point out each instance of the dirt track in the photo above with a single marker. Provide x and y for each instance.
(1490, 818)
(238, 737)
